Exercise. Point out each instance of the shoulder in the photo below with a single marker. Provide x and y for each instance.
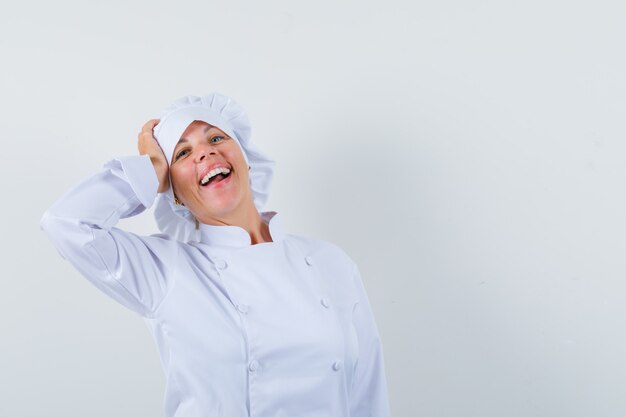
(173, 254)
(159, 244)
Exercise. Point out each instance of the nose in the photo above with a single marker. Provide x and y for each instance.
(202, 152)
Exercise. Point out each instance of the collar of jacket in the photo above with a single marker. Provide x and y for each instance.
(236, 236)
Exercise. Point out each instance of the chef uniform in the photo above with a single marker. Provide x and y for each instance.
(275, 329)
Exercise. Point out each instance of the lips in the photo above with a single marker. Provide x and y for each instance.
(219, 178)
(210, 168)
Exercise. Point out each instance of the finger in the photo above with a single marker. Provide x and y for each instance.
(146, 134)
(149, 125)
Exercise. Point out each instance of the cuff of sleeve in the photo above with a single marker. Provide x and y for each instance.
(141, 176)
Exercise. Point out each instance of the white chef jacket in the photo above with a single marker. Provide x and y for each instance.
(275, 329)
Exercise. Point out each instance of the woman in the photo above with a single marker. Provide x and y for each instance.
(248, 319)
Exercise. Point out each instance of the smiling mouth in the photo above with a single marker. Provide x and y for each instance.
(216, 179)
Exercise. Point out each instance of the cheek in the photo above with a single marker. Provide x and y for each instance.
(240, 165)
(182, 178)
(236, 158)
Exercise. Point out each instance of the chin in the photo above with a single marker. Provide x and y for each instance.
(219, 209)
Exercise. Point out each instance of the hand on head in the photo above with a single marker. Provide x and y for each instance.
(148, 145)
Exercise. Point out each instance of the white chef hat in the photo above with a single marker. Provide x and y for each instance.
(222, 112)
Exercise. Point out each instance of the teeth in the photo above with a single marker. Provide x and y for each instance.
(214, 172)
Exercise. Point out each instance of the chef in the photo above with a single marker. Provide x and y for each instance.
(248, 319)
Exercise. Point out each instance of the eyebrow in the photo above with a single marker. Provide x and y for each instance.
(184, 140)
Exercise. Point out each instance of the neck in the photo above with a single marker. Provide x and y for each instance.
(262, 234)
(247, 218)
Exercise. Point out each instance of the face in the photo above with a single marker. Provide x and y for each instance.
(201, 149)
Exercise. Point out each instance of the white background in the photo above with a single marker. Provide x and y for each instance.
(468, 155)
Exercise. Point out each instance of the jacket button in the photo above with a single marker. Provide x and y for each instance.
(325, 302)
(242, 308)
(253, 366)
(221, 264)
(337, 365)
(308, 260)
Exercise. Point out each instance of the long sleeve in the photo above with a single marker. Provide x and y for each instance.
(134, 270)
(369, 396)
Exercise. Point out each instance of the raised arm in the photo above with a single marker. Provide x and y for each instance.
(369, 397)
(133, 270)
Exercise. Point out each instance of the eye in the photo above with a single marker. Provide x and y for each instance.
(181, 154)
(216, 137)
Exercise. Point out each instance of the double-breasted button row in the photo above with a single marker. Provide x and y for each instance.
(325, 302)
(243, 308)
(308, 260)
(254, 365)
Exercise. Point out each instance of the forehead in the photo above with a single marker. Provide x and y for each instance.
(195, 125)
(198, 127)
